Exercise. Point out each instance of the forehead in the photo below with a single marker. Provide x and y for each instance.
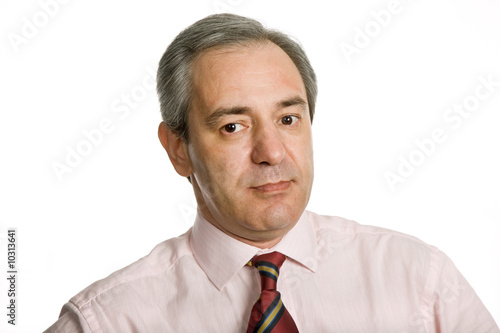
(244, 74)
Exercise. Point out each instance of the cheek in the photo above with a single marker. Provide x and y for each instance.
(301, 151)
(219, 167)
(220, 180)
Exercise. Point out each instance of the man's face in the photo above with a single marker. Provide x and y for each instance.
(250, 141)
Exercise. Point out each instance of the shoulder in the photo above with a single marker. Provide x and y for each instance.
(389, 258)
(383, 261)
(370, 241)
(162, 259)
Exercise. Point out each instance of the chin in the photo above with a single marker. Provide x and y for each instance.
(275, 217)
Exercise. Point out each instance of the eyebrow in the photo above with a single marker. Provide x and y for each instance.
(212, 120)
(299, 101)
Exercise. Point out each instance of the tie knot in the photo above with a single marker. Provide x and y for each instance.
(269, 268)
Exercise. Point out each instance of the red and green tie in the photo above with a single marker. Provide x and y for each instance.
(269, 313)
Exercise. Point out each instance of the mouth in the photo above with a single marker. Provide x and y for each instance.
(273, 187)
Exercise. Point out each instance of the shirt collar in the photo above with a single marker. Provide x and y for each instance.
(299, 243)
(222, 256)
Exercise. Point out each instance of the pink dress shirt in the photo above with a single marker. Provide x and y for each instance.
(340, 276)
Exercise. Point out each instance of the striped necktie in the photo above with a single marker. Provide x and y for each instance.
(269, 314)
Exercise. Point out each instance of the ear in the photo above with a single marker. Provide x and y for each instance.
(176, 149)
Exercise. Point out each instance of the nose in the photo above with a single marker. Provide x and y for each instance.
(268, 147)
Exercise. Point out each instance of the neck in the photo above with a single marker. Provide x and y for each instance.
(262, 244)
(261, 239)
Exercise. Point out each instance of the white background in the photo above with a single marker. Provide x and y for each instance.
(124, 197)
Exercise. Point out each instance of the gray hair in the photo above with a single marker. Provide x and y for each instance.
(174, 85)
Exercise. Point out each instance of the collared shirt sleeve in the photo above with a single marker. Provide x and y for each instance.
(339, 277)
(70, 321)
(455, 305)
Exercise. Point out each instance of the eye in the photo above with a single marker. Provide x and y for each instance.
(289, 120)
(232, 127)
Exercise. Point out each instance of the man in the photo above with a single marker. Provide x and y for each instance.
(237, 103)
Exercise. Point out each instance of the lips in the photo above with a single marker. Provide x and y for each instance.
(273, 187)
